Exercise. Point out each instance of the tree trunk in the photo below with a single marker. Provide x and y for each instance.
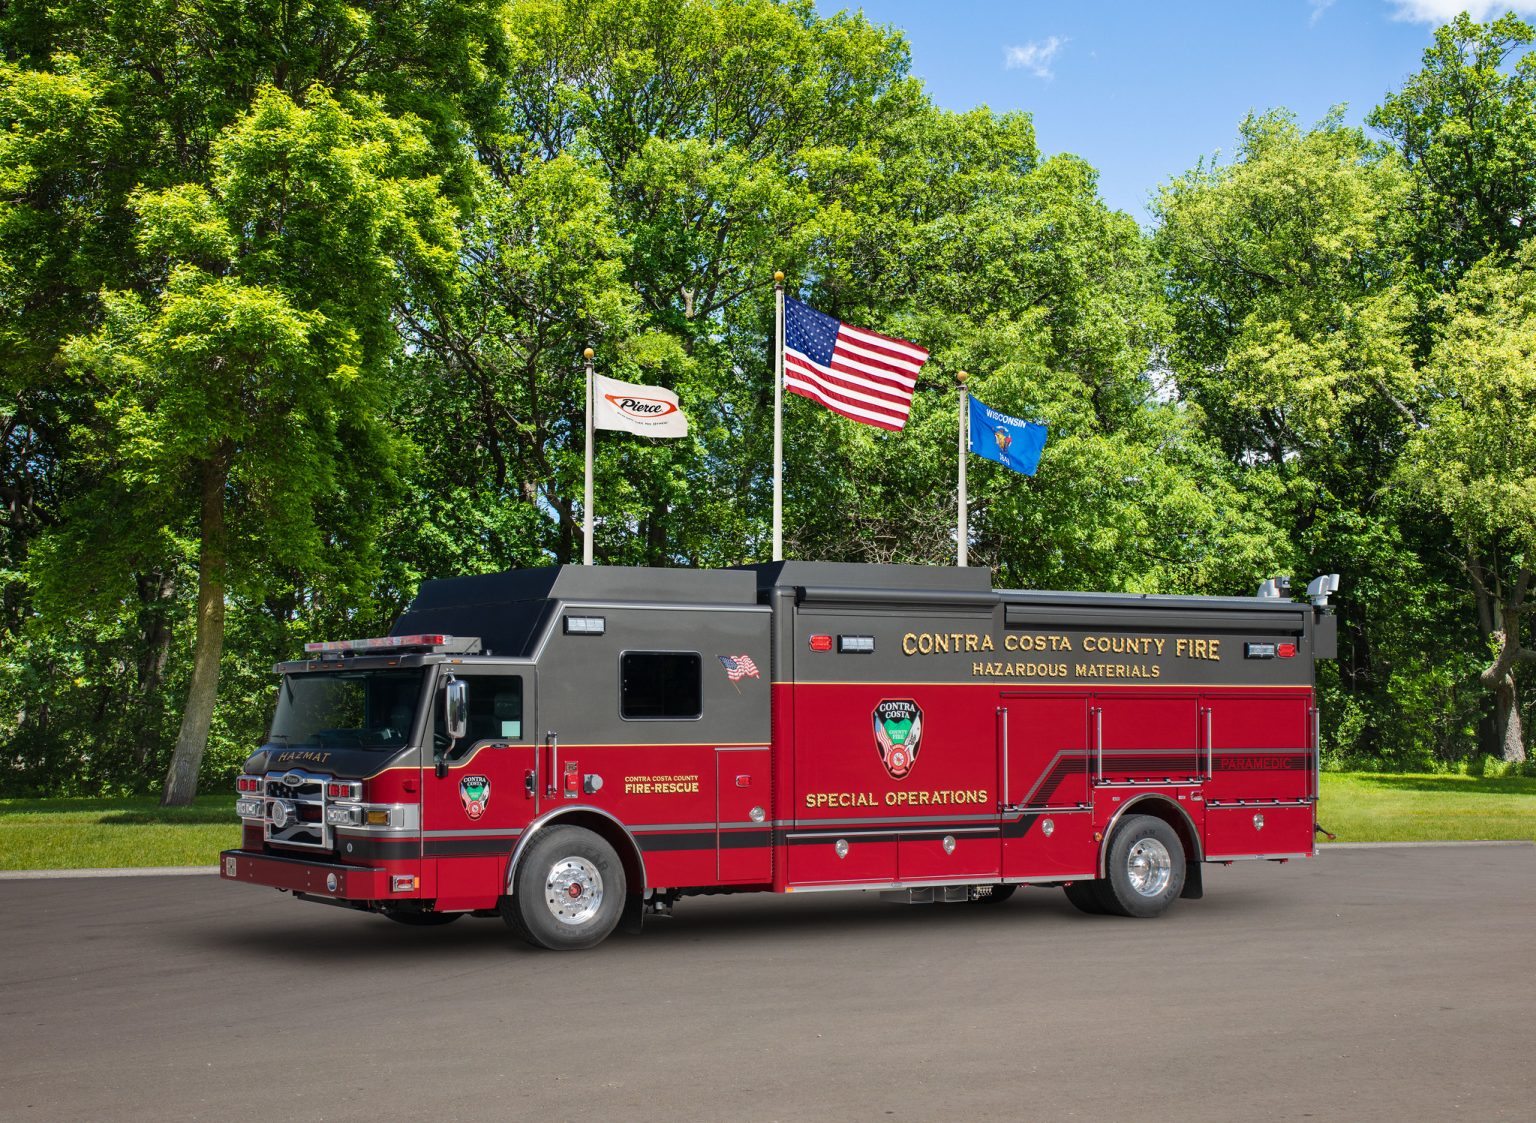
(155, 592)
(1511, 731)
(192, 740)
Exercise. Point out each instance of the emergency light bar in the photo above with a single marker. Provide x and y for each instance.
(389, 643)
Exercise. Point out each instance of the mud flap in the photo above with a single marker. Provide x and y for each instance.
(1194, 885)
(633, 917)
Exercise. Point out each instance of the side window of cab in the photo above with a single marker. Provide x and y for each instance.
(495, 713)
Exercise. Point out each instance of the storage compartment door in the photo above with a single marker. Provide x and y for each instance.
(745, 843)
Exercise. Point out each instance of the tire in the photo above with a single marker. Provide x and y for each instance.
(1087, 896)
(997, 896)
(424, 919)
(1144, 868)
(568, 891)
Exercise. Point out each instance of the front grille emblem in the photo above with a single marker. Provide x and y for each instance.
(294, 779)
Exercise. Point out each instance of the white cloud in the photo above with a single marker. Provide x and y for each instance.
(1034, 57)
(1443, 11)
(1318, 8)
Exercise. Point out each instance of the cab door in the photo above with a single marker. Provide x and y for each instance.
(473, 814)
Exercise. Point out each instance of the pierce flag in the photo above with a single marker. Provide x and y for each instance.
(1007, 440)
(860, 374)
(649, 411)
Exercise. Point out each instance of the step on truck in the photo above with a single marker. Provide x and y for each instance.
(572, 748)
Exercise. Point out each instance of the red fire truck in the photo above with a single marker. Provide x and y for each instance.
(573, 747)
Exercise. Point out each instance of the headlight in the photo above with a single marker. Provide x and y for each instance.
(248, 808)
(343, 816)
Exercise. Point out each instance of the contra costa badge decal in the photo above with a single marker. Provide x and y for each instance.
(898, 733)
(475, 795)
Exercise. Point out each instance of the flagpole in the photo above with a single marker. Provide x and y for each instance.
(586, 501)
(778, 416)
(962, 531)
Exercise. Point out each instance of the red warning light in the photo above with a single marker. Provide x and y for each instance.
(821, 643)
(1286, 651)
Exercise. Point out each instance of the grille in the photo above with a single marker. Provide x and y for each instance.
(294, 810)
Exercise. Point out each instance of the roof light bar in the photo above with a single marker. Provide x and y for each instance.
(377, 643)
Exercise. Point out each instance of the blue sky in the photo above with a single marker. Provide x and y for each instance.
(1141, 90)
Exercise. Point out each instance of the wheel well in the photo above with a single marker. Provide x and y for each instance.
(609, 830)
(1158, 807)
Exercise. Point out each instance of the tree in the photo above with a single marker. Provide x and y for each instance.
(1292, 317)
(1465, 126)
(251, 384)
(1473, 461)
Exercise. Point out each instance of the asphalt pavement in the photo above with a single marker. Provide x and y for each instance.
(1366, 984)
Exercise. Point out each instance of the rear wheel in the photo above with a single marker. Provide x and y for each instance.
(568, 891)
(1144, 868)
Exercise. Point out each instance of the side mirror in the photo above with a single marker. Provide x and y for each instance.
(455, 719)
(456, 707)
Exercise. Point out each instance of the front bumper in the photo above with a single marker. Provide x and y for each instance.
(299, 875)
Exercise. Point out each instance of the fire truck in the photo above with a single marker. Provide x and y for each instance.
(571, 748)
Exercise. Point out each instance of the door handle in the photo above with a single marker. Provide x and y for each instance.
(531, 782)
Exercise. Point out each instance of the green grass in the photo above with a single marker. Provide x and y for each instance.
(63, 834)
(1382, 807)
(37, 834)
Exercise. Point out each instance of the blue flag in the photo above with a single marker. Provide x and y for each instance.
(1018, 444)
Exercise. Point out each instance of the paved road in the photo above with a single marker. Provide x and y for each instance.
(1387, 984)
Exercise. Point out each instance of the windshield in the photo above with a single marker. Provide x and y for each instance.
(348, 709)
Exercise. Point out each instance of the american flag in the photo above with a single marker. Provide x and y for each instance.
(854, 372)
(738, 667)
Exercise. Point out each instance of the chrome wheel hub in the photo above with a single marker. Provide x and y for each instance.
(1149, 867)
(573, 891)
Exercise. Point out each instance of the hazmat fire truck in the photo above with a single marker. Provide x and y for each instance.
(572, 748)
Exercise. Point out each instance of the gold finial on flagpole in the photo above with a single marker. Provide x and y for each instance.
(588, 353)
(778, 276)
(961, 376)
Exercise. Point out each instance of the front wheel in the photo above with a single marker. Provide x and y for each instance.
(568, 892)
(1144, 868)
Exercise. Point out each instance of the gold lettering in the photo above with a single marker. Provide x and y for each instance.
(909, 644)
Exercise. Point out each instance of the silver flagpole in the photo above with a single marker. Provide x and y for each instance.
(778, 417)
(962, 531)
(586, 501)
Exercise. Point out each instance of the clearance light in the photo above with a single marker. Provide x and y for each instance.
(377, 817)
(403, 883)
(821, 643)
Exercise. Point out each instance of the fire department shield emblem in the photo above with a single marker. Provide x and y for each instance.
(475, 795)
(898, 733)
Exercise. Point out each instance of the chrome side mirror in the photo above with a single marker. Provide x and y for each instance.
(455, 721)
(456, 707)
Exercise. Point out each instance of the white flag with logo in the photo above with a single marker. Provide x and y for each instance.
(647, 410)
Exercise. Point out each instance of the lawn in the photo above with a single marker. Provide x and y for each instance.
(102, 833)
(1377, 807)
(57, 834)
